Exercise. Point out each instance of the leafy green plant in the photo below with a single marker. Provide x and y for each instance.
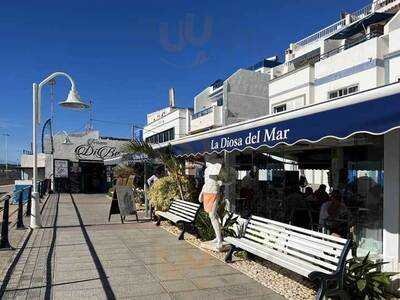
(166, 189)
(365, 280)
(174, 165)
(227, 221)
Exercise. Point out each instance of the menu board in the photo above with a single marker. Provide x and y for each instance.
(60, 168)
(125, 200)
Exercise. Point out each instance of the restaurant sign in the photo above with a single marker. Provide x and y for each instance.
(376, 116)
(252, 138)
(96, 148)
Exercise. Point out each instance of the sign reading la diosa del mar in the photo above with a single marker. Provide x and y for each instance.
(252, 138)
(375, 116)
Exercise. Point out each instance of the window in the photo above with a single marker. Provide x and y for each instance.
(279, 108)
(162, 137)
(342, 92)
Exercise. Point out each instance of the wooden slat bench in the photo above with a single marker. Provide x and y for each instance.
(312, 254)
(181, 213)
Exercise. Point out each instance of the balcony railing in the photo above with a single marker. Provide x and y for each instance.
(202, 113)
(355, 16)
(320, 34)
(316, 58)
(349, 45)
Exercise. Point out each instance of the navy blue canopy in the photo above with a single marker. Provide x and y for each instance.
(375, 112)
(360, 25)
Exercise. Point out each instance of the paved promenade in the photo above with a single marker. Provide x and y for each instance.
(79, 255)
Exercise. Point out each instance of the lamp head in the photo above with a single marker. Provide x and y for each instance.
(67, 141)
(74, 101)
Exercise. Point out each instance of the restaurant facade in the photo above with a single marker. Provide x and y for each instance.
(76, 162)
(351, 145)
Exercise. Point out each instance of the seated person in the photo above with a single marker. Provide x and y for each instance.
(333, 213)
(320, 195)
(308, 194)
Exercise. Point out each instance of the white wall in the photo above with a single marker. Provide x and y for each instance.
(391, 201)
(394, 56)
(295, 88)
(176, 119)
(357, 65)
(212, 119)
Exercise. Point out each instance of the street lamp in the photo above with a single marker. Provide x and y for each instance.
(73, 102)
(6, 135)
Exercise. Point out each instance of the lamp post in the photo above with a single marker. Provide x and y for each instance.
(73, 102)
(6, 135)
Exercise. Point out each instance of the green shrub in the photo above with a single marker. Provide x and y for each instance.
(165, 189)
(226, 218)
(364, 279)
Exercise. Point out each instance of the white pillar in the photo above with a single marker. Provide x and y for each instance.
(391, 201)
(35, 210)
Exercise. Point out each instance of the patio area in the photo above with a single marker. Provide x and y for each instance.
(79, 254)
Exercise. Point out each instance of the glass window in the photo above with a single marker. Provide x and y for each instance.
(279, 108)
(343, 92)
(336, 188)
(353, 89)
(333, 95)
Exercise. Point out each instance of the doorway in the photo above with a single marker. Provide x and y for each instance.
(93, 177)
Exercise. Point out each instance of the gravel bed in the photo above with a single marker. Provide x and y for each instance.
(280, 280)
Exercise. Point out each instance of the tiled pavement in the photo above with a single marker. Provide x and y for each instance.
(79, 255)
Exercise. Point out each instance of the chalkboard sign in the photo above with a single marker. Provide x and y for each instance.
(123, 203)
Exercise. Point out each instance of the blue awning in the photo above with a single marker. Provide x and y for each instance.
(375, 111)
(361, 25)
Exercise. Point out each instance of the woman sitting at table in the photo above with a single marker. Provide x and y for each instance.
(333, 215)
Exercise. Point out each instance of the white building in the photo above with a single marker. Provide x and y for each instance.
(168, 123)
(333, 112)
(76, 163)
(241, 96)
(357, 53)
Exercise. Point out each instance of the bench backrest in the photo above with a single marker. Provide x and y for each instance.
(184, 209)
(327, 253)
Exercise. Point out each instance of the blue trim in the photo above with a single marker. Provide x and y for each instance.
(350, 71)
(374, 116)
(392, 55)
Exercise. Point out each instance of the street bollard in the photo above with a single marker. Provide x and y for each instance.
(20, 220)
(4, 242)
(29, 203)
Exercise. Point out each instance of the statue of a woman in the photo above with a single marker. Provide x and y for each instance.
(209, 196)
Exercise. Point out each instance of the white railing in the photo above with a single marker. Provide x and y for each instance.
(320, 34)
(355, 16)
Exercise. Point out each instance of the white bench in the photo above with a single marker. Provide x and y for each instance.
(181, 213)
(312, 254)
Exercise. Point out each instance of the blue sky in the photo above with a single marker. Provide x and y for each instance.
(124, 55)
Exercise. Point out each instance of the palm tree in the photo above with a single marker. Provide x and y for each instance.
(173, 164)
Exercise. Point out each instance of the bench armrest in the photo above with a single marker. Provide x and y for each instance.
(320, 276)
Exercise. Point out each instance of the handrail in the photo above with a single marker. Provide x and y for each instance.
(354, 16)
(44, 188)
(316, 58)
(202, 112)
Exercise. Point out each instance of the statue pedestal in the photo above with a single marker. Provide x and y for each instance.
(213, 246)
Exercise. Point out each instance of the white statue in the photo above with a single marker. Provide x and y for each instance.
(209, 196)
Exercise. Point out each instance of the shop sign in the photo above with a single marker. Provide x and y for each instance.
(252, 138)
(97, 148)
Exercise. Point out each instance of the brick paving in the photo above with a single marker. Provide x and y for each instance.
(78, 254)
